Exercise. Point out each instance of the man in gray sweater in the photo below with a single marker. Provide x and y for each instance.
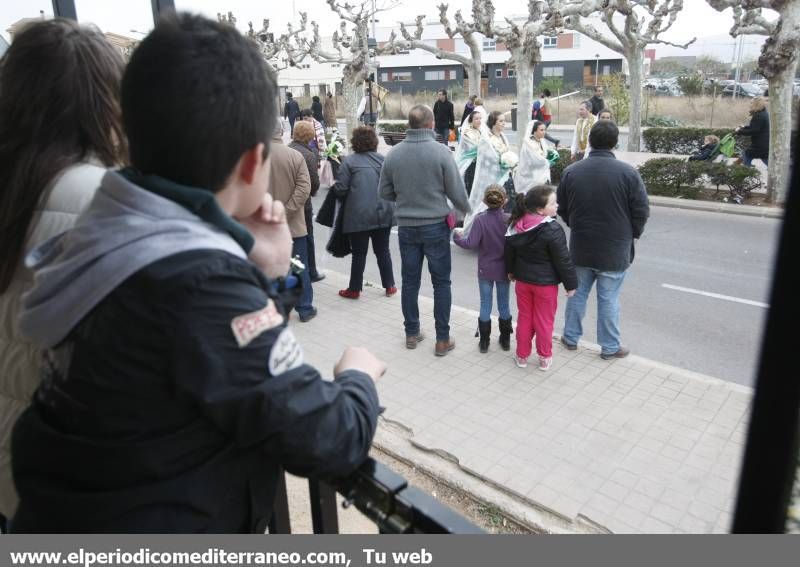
(420, 176)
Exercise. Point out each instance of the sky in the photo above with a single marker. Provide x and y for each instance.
(123, 16)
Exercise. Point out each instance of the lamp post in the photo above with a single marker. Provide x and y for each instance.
(596, 67)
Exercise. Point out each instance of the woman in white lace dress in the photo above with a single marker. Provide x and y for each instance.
(467, 150)
(534, 167)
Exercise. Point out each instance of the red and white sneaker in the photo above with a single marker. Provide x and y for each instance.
(520, 362)
(545, 362)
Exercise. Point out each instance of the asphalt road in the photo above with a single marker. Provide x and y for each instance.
(667, 314)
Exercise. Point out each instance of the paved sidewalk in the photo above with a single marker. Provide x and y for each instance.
(631, 445)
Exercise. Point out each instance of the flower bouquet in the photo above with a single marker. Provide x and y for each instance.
(509, 160)
(336, 145)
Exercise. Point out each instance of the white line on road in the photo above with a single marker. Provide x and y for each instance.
(716, 295)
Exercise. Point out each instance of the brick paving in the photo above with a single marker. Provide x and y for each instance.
(632, 445)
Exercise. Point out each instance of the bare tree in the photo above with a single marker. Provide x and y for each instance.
(467, 30)
(350, 48)
(643, 21)
(778, 63)
(278, 51)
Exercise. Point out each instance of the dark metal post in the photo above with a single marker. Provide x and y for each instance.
(279, 523)
(65, 9)
(770, 459)
(324, 515)
(161, 6)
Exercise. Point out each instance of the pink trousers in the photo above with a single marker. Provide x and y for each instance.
(536, 307)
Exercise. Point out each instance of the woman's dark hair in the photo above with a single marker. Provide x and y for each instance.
(536, 124)
(472, 115)
(59, 105)
(444, 92)
(535, 198)
(306, 112)
(492, 120)
(546, 92)
(191, 114)
(364, 139)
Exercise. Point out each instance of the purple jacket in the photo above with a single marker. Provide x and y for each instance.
(487, 234)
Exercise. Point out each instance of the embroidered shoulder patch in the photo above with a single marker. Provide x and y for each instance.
(250, 325)
(286, 354)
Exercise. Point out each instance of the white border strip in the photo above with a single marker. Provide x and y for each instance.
(717, 295)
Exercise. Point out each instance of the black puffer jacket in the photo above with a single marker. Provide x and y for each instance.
(540, 256)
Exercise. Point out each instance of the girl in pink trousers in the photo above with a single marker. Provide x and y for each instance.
(538, 260)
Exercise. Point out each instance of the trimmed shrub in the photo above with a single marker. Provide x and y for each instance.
(684, 140)
(662, 121)
(675, 177)
(392, 127)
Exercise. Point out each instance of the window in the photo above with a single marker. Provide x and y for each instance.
(498, 73)
(550, 42)
(435, 75)
(384, 77)
(306, 89)
(554, 71)
(512, 73)
(337, 88)
(606, 69)
(489, 45)
(403, 76)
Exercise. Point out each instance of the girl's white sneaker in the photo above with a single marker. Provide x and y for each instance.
(545, 362)
(521, 362)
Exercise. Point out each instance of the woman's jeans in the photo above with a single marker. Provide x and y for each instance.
(359, 242)
(609, 286)
(485, 288)
(747, 158)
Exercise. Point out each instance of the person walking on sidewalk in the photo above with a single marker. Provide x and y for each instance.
(303, 247)
(291, 111)
(366, 216)
(604, 202)
(537, 258)
(444, 117)
(420, 176)
(329, 111)
(488, 236)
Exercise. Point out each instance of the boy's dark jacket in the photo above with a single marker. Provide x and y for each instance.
(703, 153)
(540, 256)
(174, 399)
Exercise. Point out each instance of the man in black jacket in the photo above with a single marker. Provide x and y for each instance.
(173, 390)
(444, 119)
(597, 101)
(291, 111)
(604, 202)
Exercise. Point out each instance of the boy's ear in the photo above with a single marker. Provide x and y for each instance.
(250, 162)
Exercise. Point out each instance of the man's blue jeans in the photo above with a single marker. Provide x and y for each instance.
(300, 248)
(609, 285)
(485, 288)
(431, 242)
(747, 159)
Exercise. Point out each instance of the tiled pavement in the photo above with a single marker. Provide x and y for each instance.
(631, 444)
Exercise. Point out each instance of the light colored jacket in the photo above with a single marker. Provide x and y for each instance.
(69, 195)
(289, 183)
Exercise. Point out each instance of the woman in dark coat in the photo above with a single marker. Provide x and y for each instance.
(316, 109)
(300, 140)
(366, 216)
(758, 130)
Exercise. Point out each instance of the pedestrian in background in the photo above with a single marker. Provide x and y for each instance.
(580, 139)
(421, 176)
(443, 115)
(597, 101)
(538, 260)
(316, 109)
(291, 111)
(488, 236)
(604, 202)
(758, 130)
(366, 216)
(329, 111)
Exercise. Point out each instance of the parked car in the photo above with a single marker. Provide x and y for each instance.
(745, 90)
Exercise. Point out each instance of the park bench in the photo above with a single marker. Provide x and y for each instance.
(394, 138)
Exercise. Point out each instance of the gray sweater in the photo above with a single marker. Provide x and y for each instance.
(420, 174)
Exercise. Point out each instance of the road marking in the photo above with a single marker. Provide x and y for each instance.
(717, 295)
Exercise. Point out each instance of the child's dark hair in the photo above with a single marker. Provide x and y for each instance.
(495, 196)
(525, 203)
(306, 112)
(188, 111)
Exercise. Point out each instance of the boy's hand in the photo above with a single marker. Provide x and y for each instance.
(458, 232)
(359, 358)
(273, 241)
(570, 292)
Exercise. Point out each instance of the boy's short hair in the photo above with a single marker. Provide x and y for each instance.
(604, 135)
(303, 132)
(711, 139)
(196, 95)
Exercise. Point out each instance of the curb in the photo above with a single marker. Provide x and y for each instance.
(716, 207)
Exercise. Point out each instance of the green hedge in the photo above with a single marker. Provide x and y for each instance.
(558, 167)
(392, 127)
(684, 140)
(673, 177)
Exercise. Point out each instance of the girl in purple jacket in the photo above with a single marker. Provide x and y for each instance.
(487, 234)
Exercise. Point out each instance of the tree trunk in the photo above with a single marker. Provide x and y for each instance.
(352, 85)
(525, 67)
(475, 66)
(780, 134)
(635, 59)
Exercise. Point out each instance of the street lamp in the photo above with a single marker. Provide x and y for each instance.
(596, 67)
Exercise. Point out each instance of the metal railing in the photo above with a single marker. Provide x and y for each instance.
(379, 493)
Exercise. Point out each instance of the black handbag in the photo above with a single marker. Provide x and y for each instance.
(326, 214)
(339, 243)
